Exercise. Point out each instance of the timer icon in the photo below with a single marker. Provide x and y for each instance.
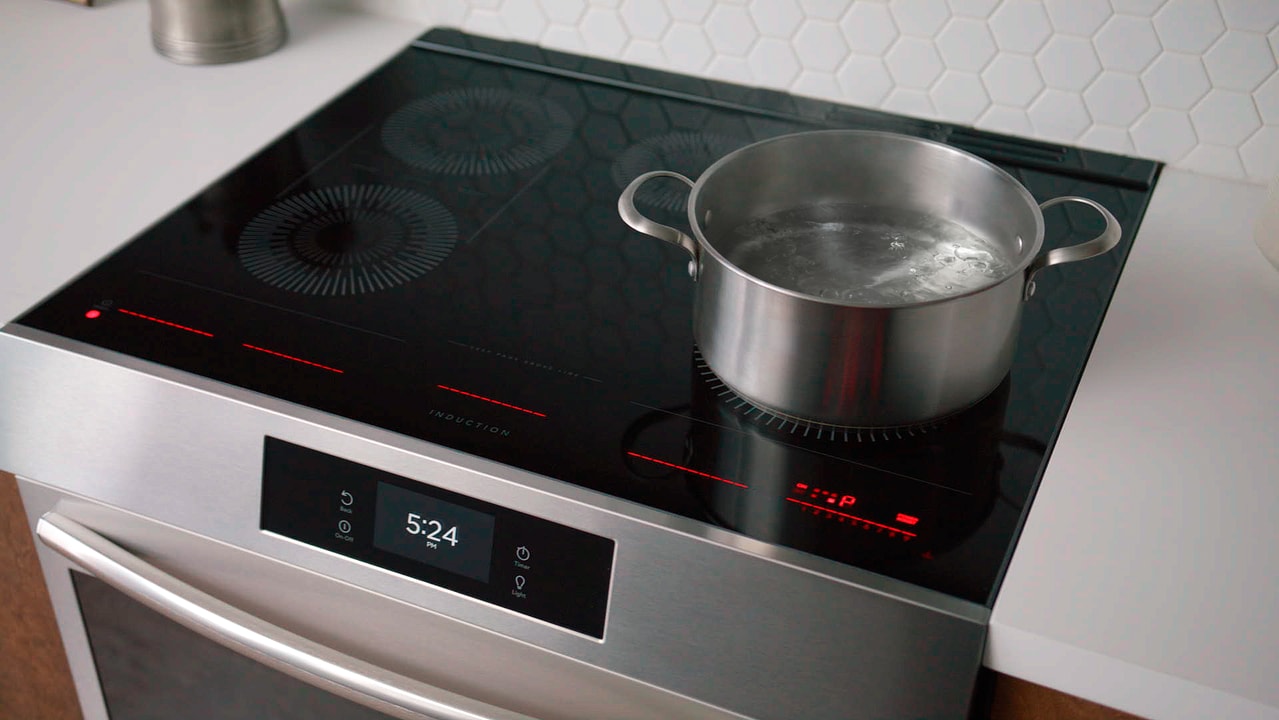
(521, 553)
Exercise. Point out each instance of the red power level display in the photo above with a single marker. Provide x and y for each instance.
(833, 505)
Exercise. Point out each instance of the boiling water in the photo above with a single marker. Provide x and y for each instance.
(866, 255)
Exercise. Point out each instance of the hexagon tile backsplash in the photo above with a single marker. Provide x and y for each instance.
(1189, 82)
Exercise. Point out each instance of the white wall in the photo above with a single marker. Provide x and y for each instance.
(1190, 82)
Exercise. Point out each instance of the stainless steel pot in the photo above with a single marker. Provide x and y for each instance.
(881, 349)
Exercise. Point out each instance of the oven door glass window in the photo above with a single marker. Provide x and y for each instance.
(151, 668)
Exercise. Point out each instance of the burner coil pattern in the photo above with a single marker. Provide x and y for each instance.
(347, 240)
(477, 131)
(684, 151)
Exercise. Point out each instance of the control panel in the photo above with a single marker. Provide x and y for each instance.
(491, 553)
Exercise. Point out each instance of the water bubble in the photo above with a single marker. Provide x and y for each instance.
(914, 270)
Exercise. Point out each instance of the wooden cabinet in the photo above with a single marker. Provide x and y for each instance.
(35, 682)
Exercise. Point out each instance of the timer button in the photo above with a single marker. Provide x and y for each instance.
(521, 553)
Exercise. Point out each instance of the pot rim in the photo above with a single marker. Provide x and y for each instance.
(1029, 251)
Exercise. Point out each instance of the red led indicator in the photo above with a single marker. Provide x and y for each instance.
(93, 314)
(281, 355)
(907, 519)
(165, 323)
(491, 400)
(686, 469)
(820, 509)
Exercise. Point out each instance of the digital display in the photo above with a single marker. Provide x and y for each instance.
(488, 552)
(432, 531)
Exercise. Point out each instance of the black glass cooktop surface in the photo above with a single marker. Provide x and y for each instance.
(438, 252)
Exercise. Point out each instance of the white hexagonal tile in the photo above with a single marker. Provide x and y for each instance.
(1126, 43)
(1176, 81)
(1001, 118)
(1256, 15)
(966, 44)
(813, 83)
(686, 47)
(973, 8)
(1059, 115)
(1115, 99)
(1140, 8)
(730, 30)
(1225, 117)
(1107, 138)
(914, 63)
(524, 19)
(773, 63)
(1078, 17)
(606, 3)
(868, 28)
(644, 52)
(485, 21)
(820, 45)
(563, 37)
(1273, 38)
(1012, 80)
(1164, 135)
(730, 69)
(823, 9)
(563, 12)
(1260, 154)
(603, 33)
(1068, 63)
(1239, 60)
(921, 18)
(775, 18)
(1267, 99)
(645, 20)
(1188, 25)
(1216, 160)
(906, 101)
(691, 11)
(959, 96)
(1020, 26)
(864, 80)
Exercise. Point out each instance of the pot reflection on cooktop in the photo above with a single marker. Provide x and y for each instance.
(891, 504)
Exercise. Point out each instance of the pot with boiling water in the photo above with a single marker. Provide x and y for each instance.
(860, 278)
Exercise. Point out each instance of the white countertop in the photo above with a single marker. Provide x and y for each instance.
(1145, 578)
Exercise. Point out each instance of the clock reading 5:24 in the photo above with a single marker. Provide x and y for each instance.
(432, 530)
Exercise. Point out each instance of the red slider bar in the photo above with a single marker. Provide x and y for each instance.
(685, 469)
(310, 363)
(157, 320)
(820, 508)
(491, 400)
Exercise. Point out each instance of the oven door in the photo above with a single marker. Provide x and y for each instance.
(159, 622)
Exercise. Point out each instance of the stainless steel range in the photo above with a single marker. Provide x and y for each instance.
(402, 411)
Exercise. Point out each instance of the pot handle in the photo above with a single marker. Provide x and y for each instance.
(634, 218)
(1108, 239)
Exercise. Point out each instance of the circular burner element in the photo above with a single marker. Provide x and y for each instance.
(347, 240)
(477, 131)
(686, 152)
(812, 429)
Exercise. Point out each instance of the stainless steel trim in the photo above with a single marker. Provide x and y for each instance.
(237, 630)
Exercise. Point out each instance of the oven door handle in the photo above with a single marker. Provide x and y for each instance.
(292, 654)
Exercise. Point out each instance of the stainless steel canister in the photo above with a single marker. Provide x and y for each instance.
(199, 32)
(839, 361)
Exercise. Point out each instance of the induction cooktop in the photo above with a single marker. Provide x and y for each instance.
(438, 253)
